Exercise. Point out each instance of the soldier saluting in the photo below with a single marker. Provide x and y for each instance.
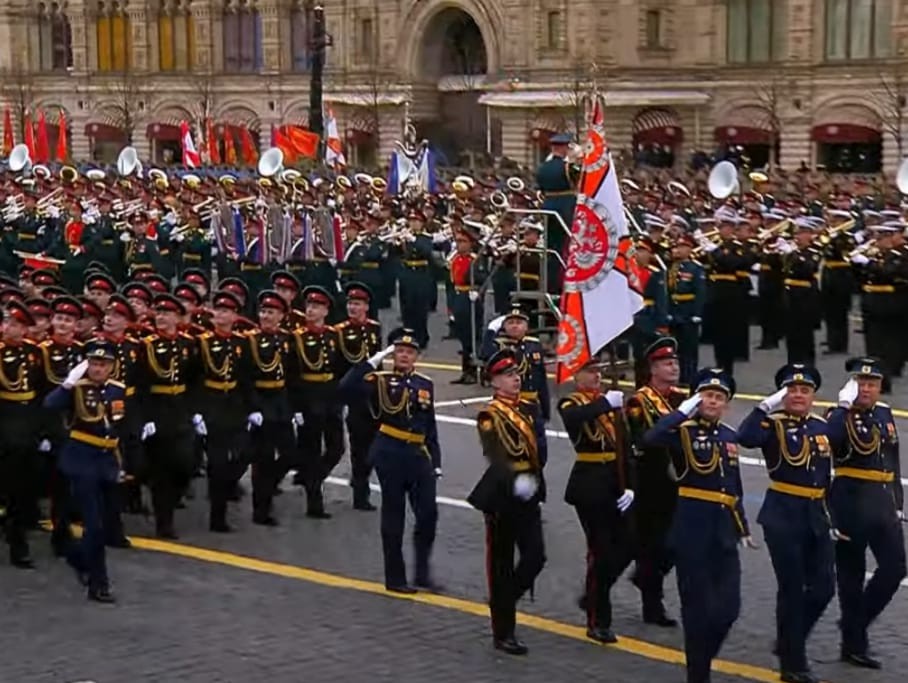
(509, 494)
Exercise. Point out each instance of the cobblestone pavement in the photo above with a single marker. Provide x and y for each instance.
(199, 619)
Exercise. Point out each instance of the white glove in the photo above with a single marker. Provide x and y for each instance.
(900, 514)
(859, 237)
(437, 472)
(148, 430)
(375, 361)
(785, 247)
(496, 324)
(125, 237)
(214, 251)
(44, 446)
(298, 419)
(625, 500)
(179, 237)
(756, 267)
(748, 542)
(837, 535)
(696, 319)
(709, 245)
(860, 259)
(848, 393)
(525, 486)
(199, 423)
(170, 218)
(615, 398)
(474, 295)
(772, 403)
(53, 212)
(689, 405)
(89, 219)
(256, 419)
(75, 375)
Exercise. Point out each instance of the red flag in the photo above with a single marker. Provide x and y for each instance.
(42, 146)
(229, 150)
(281, 141)
(191, 157)
(214, 152)
(62, 142)
(247, 144)
(29, 135)
(305, 143)
(9, 141)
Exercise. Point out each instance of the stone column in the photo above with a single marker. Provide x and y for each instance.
(203, 18)
(271, 35)
(796, 143)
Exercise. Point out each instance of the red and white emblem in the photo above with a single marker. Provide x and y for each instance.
(593, 247)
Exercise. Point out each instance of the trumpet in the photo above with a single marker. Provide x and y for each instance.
(868, 248)
(49, 199)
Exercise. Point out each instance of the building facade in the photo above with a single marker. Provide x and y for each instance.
(791, 81)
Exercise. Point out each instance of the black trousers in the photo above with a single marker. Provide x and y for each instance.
(170, 468)
(521, 527)
(799, 337)
(274, 436)
(18, 491)
(361, 430)
(321, 445)
(607, 556)
(227, 446)
(835, 314)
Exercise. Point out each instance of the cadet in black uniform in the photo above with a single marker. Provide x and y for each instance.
(509, 494)
(358, 338)
(838, 285)
(724, 293)
(599, 488)
(95, 405)
(405, 453)
(802, 296)
(416, 281)
(169, 368)
(21, 419)
(224, 395)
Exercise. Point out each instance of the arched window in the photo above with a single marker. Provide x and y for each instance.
(242, 33)
(112, 28)
(54, 37)
(299, 37)
(176, 35)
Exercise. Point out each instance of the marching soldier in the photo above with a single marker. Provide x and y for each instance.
(509, 494)
(169, 368)
(866, 502)
(771, 291)
(686, 283)
(503, 248)
(416, 282)
(270, 421)
(529, 259)
(317, 410)
(285, 283)
(358, 338)
(405, 453)
(467, 276)
(21, 421)
(838, 285)
(599, 489)
(724, 294)
(224, 397)
(96, 405)
(656, 485)
(710, 521)
(60, 353)
(794, 517)
(652, 319)
(802, 298)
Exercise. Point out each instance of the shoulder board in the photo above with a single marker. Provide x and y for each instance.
(690, 423)
(342, 323)
(130, 338)
(531, 339)
(737, 243)
(185, 335)
(373, 322)
(48, 342)
(727, 426)
(696, 262)
(115, 383)
(84, 382)
(422, 376)
(149, 339)
(484, 421)
(814, 416)
(383, 373)
(882, 405)
(249, 333)
(283, 330)
(678, 390)
(206, 334)
(655, 269)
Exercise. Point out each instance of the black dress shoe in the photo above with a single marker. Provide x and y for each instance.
(430, 586)
(460, 380)
(798, 677)
(22, 562)
(863, 661)
(603, 635)
(264, 520)
(662, 620)
(121, 542)
(511, 646)
(318, 514)
(220, 527)
(365, 506)
(102, 595)
(403, 589)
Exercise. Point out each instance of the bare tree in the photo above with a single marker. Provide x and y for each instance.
(203, 98)
(124, 92)
(17, 91)
(891, 99)
(771, 96)
(581, 83)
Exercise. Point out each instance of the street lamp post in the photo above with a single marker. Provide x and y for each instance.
(319, 40)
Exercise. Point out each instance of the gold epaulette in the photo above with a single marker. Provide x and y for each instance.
(689, 423)
(186, 335)
(374, 322)
(814, 416)
(426, 377)
(531, 339)
(881, 404)
(117, 384)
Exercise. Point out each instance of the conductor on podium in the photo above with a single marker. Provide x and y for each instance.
(557, 179)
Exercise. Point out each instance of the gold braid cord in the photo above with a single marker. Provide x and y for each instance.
(222, 371)
(155, 366)
(700, 468)
(861, 447)
(351, 357)
(257, 358)
(19, 384)
(385, 405)
(799, 459)
(316, 365)
(82, 411)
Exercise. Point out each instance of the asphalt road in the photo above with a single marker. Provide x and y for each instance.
(304, 601)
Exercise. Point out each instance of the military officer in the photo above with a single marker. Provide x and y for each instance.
(224, 397)
(317, 410)
(169, 368)
(796, 525)
(652, 319)
(656, 479)
(89, 457)
(270, 421)
(557, 179)
(723, 317)
(21, 422)
(686, 285)
(866, 502)
(509, 494)
(710, 521)
(838, 284)
(405, 453)
(802, 297)
(358, 338)
(600, 490)
(416, 281)
(285, 283)
(467, 276)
